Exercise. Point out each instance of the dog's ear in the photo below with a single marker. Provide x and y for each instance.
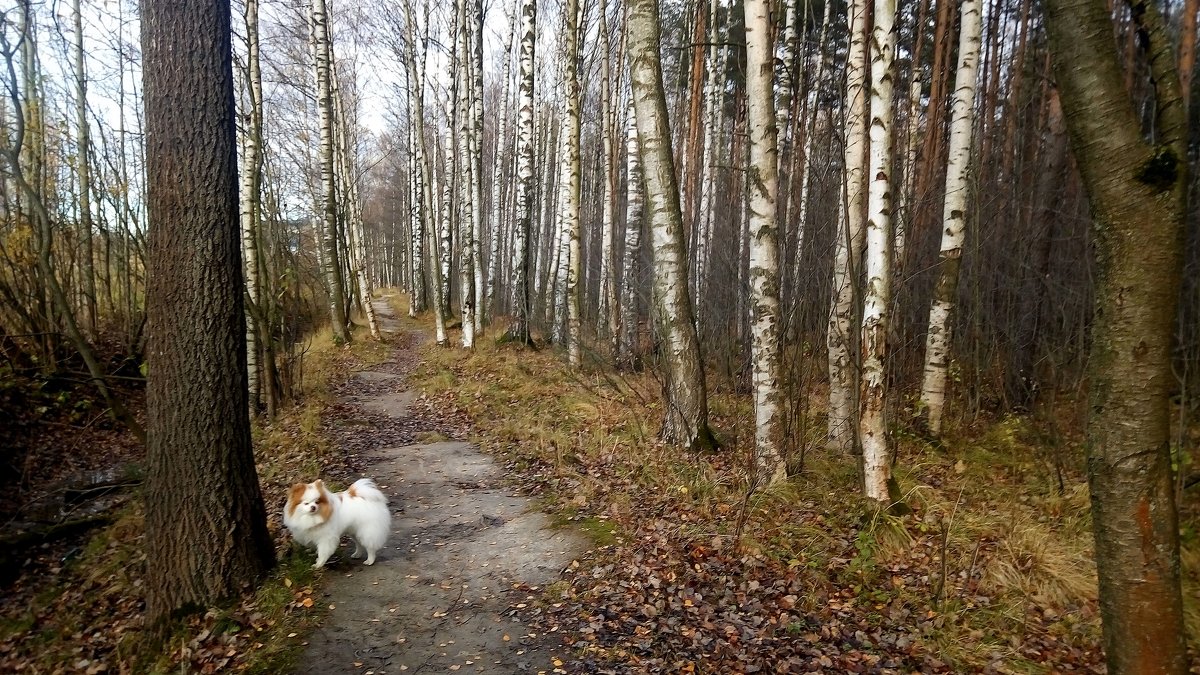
(296, 493)
(319, 484)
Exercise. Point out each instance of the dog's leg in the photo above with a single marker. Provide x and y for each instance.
(370, 557)
(324, 550)
(358, 549)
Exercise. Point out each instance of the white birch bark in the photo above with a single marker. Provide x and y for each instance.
(714, 95)
(251, 182)
(843, 403)
(522, 225)
(356, 253)
(462, 117)
(627, 345)
(607, 314)
(958, 173)
(421, 198)
(475, 139)
(762, 172)
(685, 396)
(571, 160)
(498, 211)
(323, 53)
(877, 460)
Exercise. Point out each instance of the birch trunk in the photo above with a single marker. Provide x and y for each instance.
(498, 207)
(877, 459)
(607, 314)
(250, 201)
(463, 118)
(714, 94)
(685, 397)
(476, 146)
(843, 399)
(322, 53)
(627, 346)
(421, 200)
(522, 225)
(87, 271)
(958, 168)
(762, 172)
(573, 182)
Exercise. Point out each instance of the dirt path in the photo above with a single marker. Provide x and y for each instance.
(464, 553)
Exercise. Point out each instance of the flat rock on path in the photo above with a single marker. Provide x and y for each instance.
(464, 552)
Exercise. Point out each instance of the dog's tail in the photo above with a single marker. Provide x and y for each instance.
(365, 488)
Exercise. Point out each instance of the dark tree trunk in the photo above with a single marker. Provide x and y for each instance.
(1136, 193)
(206, 535)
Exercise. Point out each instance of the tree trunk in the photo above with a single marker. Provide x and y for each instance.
(877, 459)
(627, 349)
(762, 172)
(83, 138)
(571, 162)
(206, 534)
(1136, 190)
(843, 399)
(323, 56)
(523, 223)
(685, 397)
(954, 217)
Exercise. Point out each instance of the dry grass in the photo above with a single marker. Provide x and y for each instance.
(991, 543)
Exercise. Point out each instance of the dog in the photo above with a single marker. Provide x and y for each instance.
(318, 518)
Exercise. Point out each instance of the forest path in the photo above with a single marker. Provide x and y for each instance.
(464, 551)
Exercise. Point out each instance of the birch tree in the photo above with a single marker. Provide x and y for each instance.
(251, 177)
(762, 173)
(627, 345)
(523, 222)
(573, 180)
(843, 401)
(322, 55)
(1136, 188)
(685, 397)
(958, 173)
(877, 459)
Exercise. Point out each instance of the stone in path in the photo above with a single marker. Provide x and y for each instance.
(464, 552)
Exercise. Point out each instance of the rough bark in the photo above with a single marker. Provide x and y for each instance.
(206, 534)
(1136, 190)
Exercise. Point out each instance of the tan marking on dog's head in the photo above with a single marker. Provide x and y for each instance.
(324, 503)
(295, 496)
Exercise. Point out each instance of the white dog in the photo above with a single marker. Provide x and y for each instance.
(317, 517)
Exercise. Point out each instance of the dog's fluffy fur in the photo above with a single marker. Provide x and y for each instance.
(318, 518)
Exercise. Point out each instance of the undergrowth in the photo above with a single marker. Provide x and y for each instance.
(82, 611)
(995, 562)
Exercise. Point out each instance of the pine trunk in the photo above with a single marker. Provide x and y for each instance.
(206, 533)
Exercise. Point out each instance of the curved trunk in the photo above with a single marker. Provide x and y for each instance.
(685, 397)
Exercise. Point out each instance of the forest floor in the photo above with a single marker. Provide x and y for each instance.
(466, 552)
